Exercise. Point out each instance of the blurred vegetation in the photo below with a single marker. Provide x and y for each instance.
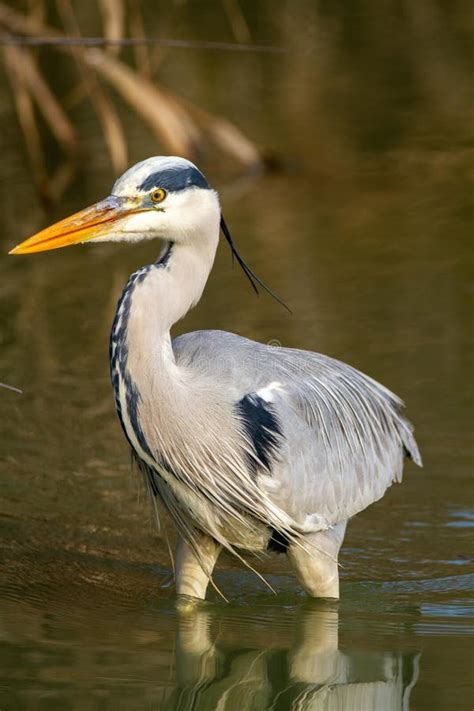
(179, 125)
(366, 78)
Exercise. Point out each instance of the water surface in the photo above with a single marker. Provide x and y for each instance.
(367, 233)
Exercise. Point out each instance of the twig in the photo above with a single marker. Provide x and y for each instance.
(12, 388)
(133, 41)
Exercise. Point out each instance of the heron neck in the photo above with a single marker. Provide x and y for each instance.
(159, 295)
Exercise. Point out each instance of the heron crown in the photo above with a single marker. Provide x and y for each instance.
(170, 173)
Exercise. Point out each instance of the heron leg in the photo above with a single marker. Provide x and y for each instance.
(194, 571)
(315, 562)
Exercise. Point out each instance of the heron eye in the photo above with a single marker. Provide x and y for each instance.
(158, 195)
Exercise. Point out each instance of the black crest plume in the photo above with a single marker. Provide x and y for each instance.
(251, 276)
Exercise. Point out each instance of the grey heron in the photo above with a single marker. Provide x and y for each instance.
(249, 447)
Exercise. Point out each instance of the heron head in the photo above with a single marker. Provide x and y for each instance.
(162, 197)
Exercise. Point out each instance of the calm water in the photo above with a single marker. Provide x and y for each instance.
(367, 234)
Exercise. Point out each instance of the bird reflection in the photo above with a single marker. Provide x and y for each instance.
(312, 675)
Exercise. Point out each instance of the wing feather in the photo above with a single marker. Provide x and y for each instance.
(344, 437)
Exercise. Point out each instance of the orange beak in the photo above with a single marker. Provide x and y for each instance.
(95, 221)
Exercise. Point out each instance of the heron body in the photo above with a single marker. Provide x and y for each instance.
(249, 447)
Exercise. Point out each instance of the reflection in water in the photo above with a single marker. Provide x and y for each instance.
(313, 674)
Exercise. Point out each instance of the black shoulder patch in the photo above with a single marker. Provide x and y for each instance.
(175, 179)
(262, 426)
(278, 542)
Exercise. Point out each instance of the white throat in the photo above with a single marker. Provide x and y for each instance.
(171, 287)
(156, 297)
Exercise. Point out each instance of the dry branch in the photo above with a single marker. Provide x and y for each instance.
(178, 124)
(26, 117)
(113, 14)
(107, 115)
(32, 78)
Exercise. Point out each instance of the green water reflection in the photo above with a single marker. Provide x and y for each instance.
(303, 668)
(367, 234)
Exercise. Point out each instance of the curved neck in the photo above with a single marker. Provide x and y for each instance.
(175, 283)
(155, 298)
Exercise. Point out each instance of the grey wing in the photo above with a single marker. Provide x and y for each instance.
(345, 439)
(328, 439)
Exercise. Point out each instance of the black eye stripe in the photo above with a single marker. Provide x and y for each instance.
(175, 179)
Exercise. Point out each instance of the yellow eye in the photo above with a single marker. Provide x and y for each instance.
(158, 195)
